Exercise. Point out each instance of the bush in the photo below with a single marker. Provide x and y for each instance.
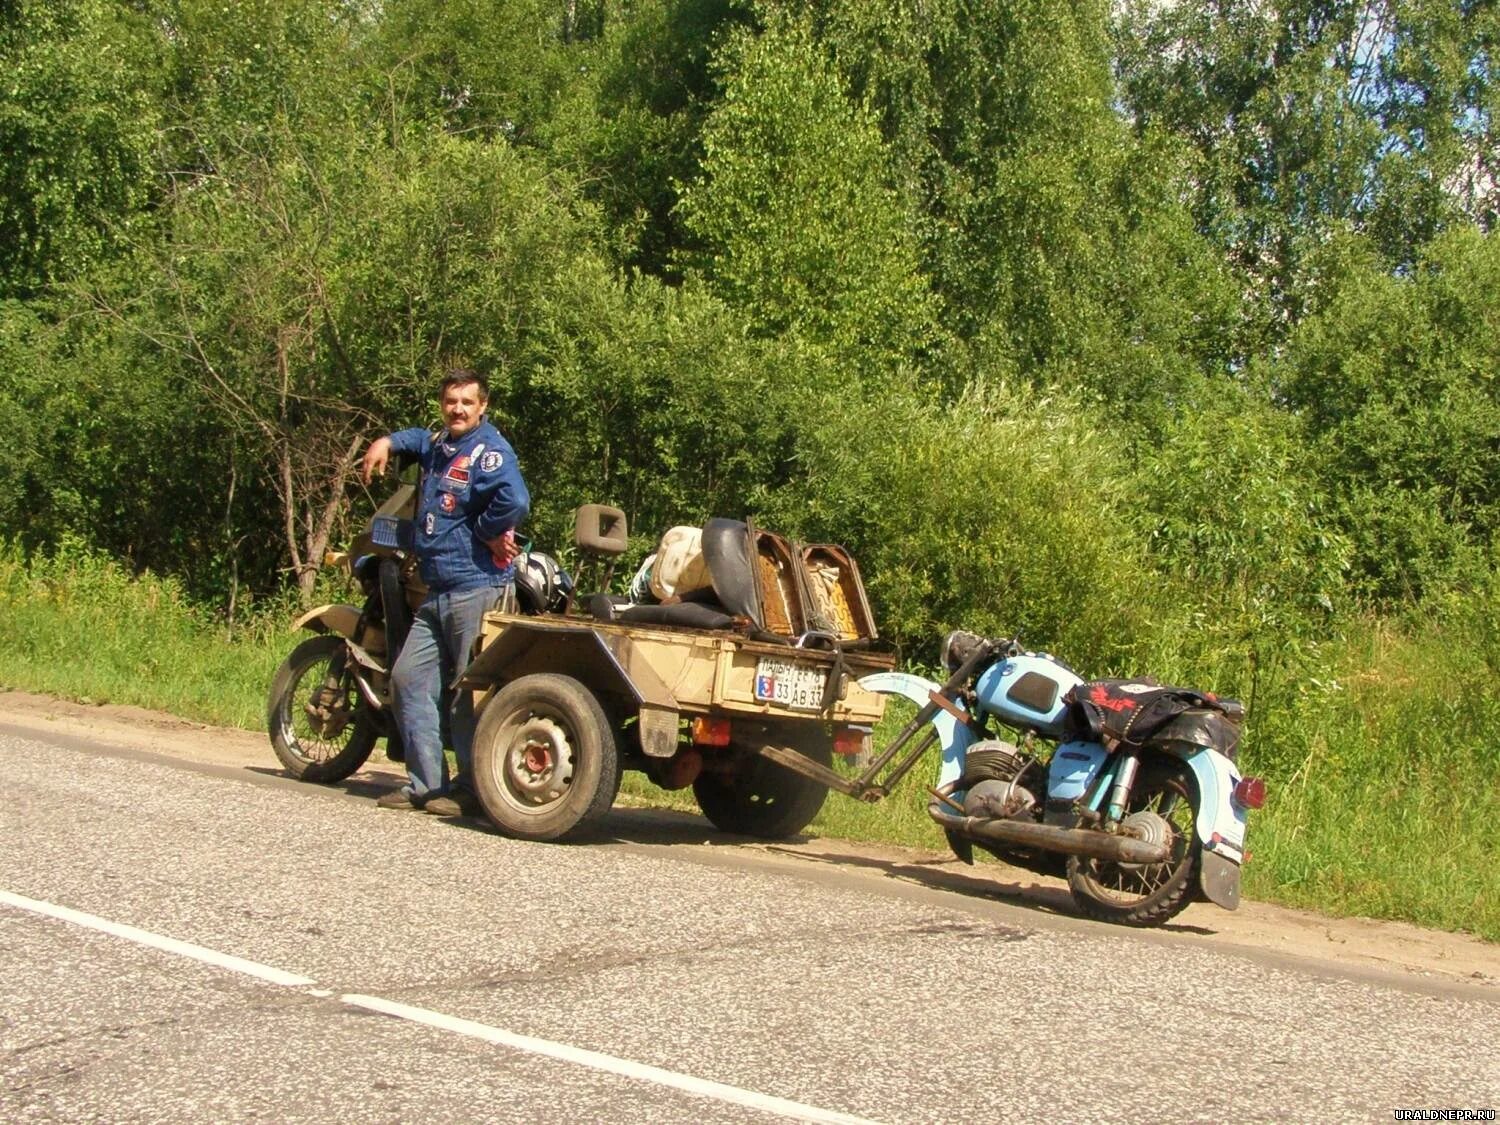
(1001, 514)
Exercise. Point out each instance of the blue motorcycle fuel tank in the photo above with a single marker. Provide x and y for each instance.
(1026, 692)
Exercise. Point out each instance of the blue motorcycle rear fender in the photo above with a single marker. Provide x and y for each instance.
(1220, 823)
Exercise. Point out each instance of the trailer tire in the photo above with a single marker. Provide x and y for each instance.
(546, 765)
(763, 798)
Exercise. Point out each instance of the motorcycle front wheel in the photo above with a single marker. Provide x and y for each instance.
(1162, 805)
(320, 728)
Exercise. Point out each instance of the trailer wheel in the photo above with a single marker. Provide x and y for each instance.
(761, 797)
(545, 760)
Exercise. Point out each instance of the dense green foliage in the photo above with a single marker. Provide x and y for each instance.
(1165, 334)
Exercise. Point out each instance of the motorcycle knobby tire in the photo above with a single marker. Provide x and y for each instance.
(1161, 890)
(299, 675)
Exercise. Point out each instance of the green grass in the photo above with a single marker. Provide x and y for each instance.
(79, 626)
(1385, 797)
(1382, 768)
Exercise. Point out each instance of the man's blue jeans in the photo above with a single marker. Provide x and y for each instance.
(437, 649)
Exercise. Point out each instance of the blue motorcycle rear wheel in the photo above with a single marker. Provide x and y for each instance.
(1163, 805)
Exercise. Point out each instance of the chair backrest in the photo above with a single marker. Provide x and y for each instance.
(599, 529)
(599, 532)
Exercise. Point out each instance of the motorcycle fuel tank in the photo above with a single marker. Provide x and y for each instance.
(1026, 692)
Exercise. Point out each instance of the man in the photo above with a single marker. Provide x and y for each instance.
(470, 501)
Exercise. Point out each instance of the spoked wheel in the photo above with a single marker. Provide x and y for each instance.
(545, 760)
(320, 727)
(1146, 894)
(761, 797)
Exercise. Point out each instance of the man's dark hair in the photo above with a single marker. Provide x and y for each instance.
(459, 376)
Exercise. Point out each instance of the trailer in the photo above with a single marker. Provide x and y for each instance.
(566, 704)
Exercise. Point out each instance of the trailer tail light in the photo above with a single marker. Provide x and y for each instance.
(850, 741)
(710, 732)
(1250, 793)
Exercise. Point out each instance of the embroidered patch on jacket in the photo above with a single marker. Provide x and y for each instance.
(490, 461)
(429, 523)
(447, 501)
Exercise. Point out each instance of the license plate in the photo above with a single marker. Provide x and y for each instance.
(790, 685)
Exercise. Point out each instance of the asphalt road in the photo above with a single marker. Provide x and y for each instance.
(619, 980)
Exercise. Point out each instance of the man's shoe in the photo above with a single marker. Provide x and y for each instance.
(457, 802)
(396, 799)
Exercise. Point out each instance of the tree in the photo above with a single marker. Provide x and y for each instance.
(78, 126)
(1312, 117)
(313, 288)
(1057, 245)
(794, 218)
(482, 67)
(1437, 103)
(1394, 383)
(631, 124)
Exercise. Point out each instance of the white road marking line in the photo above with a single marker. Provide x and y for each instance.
(156, 941)
(702, 1087)
(598, 1061)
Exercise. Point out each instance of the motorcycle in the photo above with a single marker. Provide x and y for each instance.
(330, 701)
(1127, 788)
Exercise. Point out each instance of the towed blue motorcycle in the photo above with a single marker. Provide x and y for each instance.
(1126, 787)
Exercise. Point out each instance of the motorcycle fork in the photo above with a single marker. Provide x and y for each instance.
(339, 665)
(338, 668)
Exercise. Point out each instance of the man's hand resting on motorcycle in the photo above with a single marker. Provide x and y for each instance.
(376, 459)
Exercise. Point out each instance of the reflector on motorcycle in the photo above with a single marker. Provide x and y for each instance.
(1250, 793)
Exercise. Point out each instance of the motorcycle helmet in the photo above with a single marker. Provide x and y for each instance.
(541, 585)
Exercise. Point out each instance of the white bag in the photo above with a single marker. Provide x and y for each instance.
(680, 567)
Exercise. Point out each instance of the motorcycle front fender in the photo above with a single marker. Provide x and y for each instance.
(954, 737)
(335, 618)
